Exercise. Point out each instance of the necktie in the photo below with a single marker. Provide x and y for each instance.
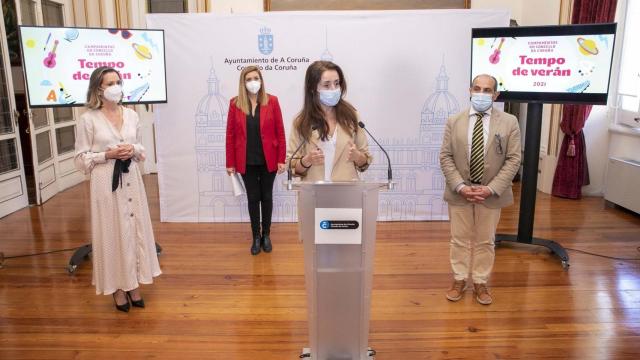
(476, 164)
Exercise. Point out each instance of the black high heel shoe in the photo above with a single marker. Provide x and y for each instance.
(123, 307)
(136, 303)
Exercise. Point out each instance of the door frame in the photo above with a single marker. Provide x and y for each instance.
(57, 172)
(13, 184)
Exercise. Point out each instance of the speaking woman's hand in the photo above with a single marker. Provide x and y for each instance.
(316, 157)
(356, 155)
(231, 170)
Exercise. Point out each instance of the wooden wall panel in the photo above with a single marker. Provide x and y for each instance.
(286, 5)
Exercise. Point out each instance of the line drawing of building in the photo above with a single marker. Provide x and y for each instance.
(326, 54)
(216, 202)
(215, 196)
(418, 194)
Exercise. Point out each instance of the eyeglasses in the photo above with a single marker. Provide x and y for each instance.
(499, 144)
(126, 34)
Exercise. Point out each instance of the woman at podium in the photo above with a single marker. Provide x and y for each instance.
(256, 149)
(326, 143)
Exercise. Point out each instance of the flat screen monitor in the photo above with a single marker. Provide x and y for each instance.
(58, 62)
(550, 64)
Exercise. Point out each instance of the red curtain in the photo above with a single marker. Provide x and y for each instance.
(572, 170)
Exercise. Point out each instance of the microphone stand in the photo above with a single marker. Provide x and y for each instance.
(390, 183)
(289, 170)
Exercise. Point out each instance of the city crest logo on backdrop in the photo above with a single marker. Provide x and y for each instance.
(265, 41)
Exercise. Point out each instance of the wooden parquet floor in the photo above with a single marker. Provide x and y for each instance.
(216, 301)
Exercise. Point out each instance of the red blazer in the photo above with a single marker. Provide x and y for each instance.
(271, 133)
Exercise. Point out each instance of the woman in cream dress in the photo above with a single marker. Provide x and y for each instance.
(108, 148)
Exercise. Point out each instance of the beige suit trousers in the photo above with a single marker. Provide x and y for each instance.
(473, 229)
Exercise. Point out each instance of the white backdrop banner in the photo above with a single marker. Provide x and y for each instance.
(406, 71)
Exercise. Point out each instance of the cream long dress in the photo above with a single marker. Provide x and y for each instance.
(123, 246)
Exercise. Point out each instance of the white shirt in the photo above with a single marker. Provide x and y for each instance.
(329, 150)
(485, 129)
(95, 135)
(485, 136)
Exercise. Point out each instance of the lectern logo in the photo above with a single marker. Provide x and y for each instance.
(265, 41)
(339, 224)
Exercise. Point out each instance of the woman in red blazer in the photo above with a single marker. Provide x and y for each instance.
(256, 149)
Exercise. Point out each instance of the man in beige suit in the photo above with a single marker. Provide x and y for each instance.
(479, 157)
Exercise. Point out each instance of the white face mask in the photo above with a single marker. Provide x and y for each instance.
(330, 97)
(481, 102)
(113, 93)
(253, 86)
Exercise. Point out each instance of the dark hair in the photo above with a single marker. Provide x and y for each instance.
(312, 114)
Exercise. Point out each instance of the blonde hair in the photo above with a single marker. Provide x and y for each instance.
(242, 101)
(94, 101)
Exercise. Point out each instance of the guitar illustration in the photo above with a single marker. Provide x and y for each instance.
(495, 57)
(50, 60)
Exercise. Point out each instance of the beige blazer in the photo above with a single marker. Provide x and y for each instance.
(499, 166)
(343, 169)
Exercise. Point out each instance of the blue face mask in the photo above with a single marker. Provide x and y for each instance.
(481, 102)
(330, 97)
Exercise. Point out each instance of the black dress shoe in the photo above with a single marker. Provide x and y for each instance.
(136, 303)
(255, 247)
(266, 243)
(123, 307)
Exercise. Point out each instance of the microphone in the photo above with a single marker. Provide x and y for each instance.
(389, 175)
(289, 170)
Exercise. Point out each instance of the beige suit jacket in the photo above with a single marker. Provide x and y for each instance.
(499, 166)
(343, 168)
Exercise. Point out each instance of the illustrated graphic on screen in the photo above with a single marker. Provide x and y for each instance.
(71, 34)
(138, 92)
(495, 57)
(50, 60)
(58, 63)
(586, 68)
(126, 34)
(142, 52)
(587, 46)
(30, 42)
(501, 85)
(64, 96)
(566, 63)
(149, 41)
(579, 88)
